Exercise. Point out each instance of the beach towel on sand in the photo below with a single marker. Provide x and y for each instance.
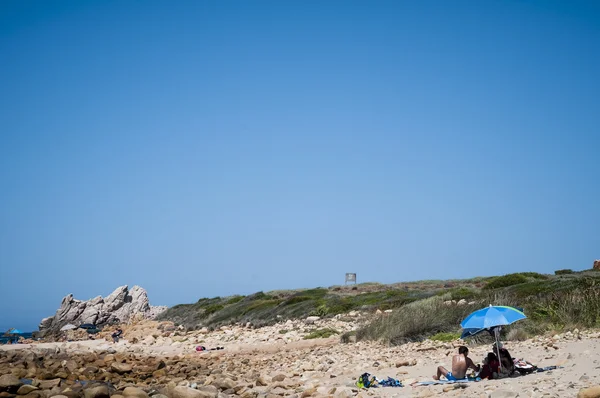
(470, 379)
(436, 382)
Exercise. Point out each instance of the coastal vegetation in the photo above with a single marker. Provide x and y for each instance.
(422, 309)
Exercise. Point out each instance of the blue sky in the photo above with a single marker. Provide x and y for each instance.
(208, 148)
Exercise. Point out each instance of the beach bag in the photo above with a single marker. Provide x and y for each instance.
(365, 382)
(524, 367)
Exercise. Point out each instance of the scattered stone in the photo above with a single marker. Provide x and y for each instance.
(187, 392)
(261, 381)
(121, 368)
(98, 391)
(26, 389)
(591, 392)
(411, 362)
(134, 392)
(343, 392)
(48, 384)
(224, 383)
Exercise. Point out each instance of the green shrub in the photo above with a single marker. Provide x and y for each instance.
(505, 281)
(321, 334)
(534, 275)
(314, 293)
(446, 337)
(462, 293)
(416, 321)
(563, 272)
(524, 290)
(283, 331)
(211, 309)
(575, 308)
(296, 299)
(337, 305)
(234, 299)
(258, 296)
(321, 310)
(208, 301)
(261, 305)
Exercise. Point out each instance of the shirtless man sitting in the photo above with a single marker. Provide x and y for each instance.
(460, 364)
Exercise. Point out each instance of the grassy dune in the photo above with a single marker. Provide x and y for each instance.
(552, 302)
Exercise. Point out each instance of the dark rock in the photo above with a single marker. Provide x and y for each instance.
(10, 383)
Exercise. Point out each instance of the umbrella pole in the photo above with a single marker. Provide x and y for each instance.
(498, 348)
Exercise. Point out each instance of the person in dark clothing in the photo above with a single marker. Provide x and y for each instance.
(116, 335)
(506, 360)
(490, 367)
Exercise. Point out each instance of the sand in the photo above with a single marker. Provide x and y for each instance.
(577, 356)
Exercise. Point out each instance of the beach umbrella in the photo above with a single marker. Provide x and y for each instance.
(470, 332)
(491, 318)
(12, 332)
(68, 326)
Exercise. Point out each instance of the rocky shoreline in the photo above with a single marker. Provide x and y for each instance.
(121, 306)
(158, 359)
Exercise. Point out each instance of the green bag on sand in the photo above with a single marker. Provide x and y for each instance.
(365, 382)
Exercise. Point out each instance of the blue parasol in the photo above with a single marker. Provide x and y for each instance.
(491, 316)
(490, 319)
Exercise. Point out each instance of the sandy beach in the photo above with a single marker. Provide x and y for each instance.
(326, 367)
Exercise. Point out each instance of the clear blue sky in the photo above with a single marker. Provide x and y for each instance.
(204, 148)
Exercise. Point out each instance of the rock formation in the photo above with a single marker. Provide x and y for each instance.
(120, 306)
(596, 265)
